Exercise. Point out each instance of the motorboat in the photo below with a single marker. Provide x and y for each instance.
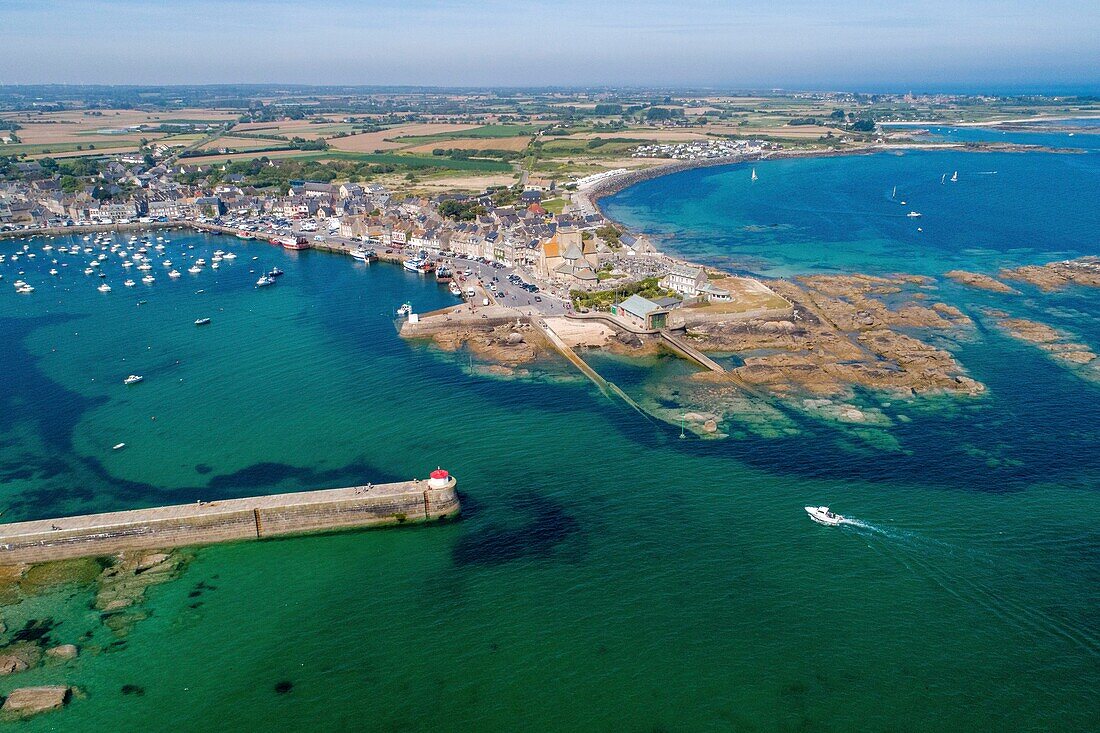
(822, 515)
(455, 289)
(264, 281)
(914, 214)
(194, 269)
(275, 272)
(148, 279)
(360, 254)
(174, 274)
(129, 283)
(202, 321)
(405, 309)
(413, 265)
(133, 379)
(104, 288)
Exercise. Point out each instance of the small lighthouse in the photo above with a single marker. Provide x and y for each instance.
(439, 479)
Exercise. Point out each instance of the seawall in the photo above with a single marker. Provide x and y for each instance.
(230, 520)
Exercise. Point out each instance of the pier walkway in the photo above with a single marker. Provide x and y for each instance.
(229, 520)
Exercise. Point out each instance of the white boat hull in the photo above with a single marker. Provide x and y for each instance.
(822, 515)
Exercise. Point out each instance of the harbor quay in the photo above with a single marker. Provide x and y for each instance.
(230, 520)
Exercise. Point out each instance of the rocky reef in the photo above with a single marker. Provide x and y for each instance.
(1058, 275)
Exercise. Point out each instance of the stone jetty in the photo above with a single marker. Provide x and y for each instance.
(230, 520)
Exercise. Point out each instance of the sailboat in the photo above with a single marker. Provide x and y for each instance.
(754, 176)
(955, 177)
(894, 193)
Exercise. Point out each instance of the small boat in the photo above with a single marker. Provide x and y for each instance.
(229, 256)
(133, 379)
(894, 193)
(754, 176)
(104, 288)
(53, 271)
(822, 515)
(360, 254)
(405, 309)
(194, 269)
(118, 446)
(201, 321)
(914, 214)
(455, 289)
(88, 271)
(174, 274)
(148, 279)
(264, 281)
(275, 272)
(413, 265)
(129, 283)
(955, 177)
(943, 179)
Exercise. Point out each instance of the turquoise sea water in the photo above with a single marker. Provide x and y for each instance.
(606, 575)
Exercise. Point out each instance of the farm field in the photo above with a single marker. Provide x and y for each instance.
(369, 142)
(407, 161)
(239, 143)
(496, 143)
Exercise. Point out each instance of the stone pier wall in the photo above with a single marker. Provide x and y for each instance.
(225, 521)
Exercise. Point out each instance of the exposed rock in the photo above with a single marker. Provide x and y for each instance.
(27, 701)
(11, 663)
(1057, 275)
(150, 561)
(710, 426)
(63, 651)
(978, 280)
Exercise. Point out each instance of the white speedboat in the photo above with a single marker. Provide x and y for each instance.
(129, 283)
(104, 288)
(133, 379)
(914, 214)
(405, 309)
(264, 281)
(173, 274)
(822, 515)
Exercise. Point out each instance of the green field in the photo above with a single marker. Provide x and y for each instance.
(38, 148)
(405, 161)
(488, 131)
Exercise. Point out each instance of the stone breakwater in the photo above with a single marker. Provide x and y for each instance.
(229, 520)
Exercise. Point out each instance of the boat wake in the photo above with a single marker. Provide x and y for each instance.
(931, 558)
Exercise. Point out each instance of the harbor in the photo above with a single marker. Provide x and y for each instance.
(230, 520)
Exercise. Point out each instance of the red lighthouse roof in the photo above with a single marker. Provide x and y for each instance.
(440, 473)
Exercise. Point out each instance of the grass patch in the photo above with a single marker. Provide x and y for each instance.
(488, 131)
(554, 206)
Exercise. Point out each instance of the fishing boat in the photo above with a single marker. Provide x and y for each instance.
(822, 515)
(297, 243)
(202, 321)
(133, 379)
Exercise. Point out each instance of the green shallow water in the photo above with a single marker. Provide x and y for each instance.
(605, 574)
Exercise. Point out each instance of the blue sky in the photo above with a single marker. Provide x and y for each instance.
(869, 44)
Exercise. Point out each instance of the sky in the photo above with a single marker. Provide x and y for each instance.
(863, 45)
